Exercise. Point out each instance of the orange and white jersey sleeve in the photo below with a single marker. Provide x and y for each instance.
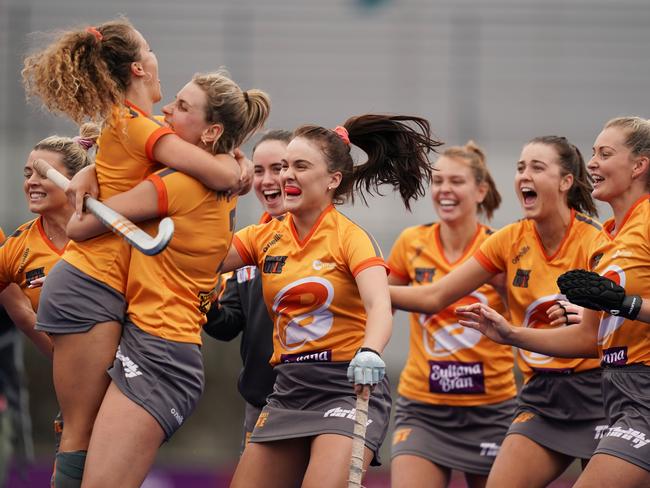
(169, 294)
(531, 277)
(449, 364)
(25, 255)
(309, 285)
(625, 258)
(124, 158)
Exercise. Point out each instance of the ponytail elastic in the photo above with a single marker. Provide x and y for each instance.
(342, 132)
(93, 30)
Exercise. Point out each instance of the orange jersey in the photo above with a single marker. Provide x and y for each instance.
(531, 276)
(124, 159)
(625, 258)
(449, 364)
(25, 255)
(169, 294)
(309, 285)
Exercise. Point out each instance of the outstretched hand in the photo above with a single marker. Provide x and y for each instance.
(593, 291)
(487, 321)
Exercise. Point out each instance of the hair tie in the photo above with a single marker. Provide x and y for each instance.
(84, 142)
(342, 132)
(246, 99)
(93, 30)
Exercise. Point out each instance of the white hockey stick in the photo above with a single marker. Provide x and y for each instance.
(123, 227)
(359, 438)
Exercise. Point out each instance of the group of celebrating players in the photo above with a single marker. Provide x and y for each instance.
(313, 295)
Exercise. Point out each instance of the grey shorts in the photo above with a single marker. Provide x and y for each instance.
(310, 399)
(251, 414)
(72, 302)
(627, 401)
(164, 377)
(463, 438)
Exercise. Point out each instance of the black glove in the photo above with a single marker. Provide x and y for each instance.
(590, 290)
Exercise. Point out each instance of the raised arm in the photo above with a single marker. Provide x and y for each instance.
(573, 341)
(219, 172)
(433, 298)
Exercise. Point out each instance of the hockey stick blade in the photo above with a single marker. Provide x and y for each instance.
(119, 224)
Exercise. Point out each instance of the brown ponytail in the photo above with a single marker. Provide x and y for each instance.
(571, 162)
(84, 73)
(474, 156)
(397, 147)
(241, 113)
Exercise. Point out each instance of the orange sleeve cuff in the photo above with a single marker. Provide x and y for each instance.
(485, 262)
(368, 263)
(153, 138)
(243, 252)
(161, 190)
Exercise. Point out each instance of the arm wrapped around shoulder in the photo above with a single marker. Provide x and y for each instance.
(590, 290)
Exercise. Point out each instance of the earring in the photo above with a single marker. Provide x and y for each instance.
(329, 188)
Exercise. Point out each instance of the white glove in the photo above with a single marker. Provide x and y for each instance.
(366, 367)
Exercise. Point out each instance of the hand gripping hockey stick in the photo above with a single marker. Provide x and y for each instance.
(123, 227)
(359, 438)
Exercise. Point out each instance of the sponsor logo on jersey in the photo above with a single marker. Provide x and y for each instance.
(131, 370)
(522, 252)
(595, 260)
(400, 435)
(347, 413)
(523, 417)
(424, 275)
(456, 377)
(490, 449)
(521, 278)
(274, 264)
(179, 418)
(614, 356)
(308, 357)
(33, 274)
(638, 439)
(319, 265)
(206, 299)
(274, 240)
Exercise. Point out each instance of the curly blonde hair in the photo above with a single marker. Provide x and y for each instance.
(84, 73)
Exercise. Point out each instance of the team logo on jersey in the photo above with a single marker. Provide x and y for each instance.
(33, 274)
(206, 299)
(522, 252)
(308, 357)
(424, 275)
(521, 278)
(456, 377)
(615, 356)
(276, 238)
(595, 259)
(274, 264)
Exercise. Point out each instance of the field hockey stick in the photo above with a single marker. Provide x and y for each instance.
(120, 225)
(359, 438)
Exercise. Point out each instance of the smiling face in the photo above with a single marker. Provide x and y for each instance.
(454, 190)
(539, 183)
(186, 114)
(43, 196)
(612, 166)
(306, 182)
(149, 64)
(267, 162)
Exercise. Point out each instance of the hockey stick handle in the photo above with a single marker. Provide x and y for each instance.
(112, 219)
(359, 438)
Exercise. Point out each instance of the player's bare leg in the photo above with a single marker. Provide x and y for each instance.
(407, 470)
(512, 467)
(80, 379)
(280, 464)
(605, 471)
(123, 445)
(329, 462)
